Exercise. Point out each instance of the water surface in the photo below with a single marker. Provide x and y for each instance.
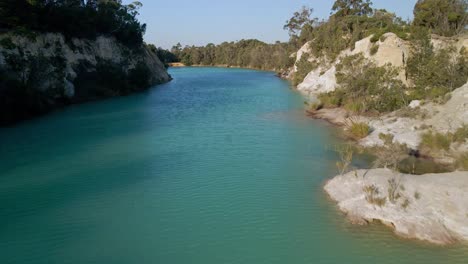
(218, 166)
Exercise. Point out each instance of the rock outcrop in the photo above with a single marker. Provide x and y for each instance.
(45, 71)
(408, 130)
(390, 50)
(429, 207)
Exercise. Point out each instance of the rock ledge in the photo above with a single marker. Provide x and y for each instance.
(431, 207)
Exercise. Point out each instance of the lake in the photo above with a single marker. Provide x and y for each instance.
(218, 166)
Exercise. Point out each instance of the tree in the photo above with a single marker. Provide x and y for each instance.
(443, 17)
(75, 18)
(343, 8)
(300, 19)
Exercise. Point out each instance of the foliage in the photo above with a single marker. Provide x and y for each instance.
(365, 87)
(7, 43)
(244, 53)
(461, 134)
(304, 67)
(391, 154)
(21, 96)
(374, 49)
(75, 18)
(344, 8)
(417, 195)
(357, 130)
(435, 74)
(165, 56)
(393, 190)
(442, 17)
(301, 20)
(435, 141)
(405, 204)
(346, 153)
(109, 79)
(372, 193)
(462, 161)
(330, 37)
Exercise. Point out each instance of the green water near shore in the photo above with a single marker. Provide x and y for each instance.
(218, 166)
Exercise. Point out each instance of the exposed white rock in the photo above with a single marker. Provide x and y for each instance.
(436, 209)
(392, 50)
(319, 81)
(304, 49)
(440, 118)
(459, 42)
(415, 104)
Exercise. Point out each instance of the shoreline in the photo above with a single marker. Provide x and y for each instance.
(440, 218)
(428, 207)
(279, 74)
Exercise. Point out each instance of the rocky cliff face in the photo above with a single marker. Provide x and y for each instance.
(389, 50)
(41, 72)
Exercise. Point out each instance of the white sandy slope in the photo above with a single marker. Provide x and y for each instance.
(438, 215)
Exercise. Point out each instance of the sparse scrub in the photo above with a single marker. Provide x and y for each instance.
(417, 195)
(393, 191)
(461, 134)
(391, 154)
(346, 153)
(462, 161)
(415, 113)
(374, 49)
(372, 195)
(435, 141)
(315, 106)
(405, 203)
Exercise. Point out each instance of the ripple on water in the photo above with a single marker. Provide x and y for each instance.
(218, 166)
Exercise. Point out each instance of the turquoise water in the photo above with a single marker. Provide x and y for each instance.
(218, 166)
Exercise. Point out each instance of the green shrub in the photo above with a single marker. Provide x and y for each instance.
(435, 74)
(315, 106)
(461, 134)
(374, 49)
(462, 161)
(7, 43)
(331, 99)
(435, 141)
(405, 203)
(358, 130)
(417, 195)
(304, 67)
(365, 87)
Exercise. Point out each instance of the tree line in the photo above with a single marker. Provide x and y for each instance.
(249, 53)
(74, 18)
(350, 21)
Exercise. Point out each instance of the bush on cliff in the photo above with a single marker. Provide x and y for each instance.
(75, 18)
(442, 17)
(364, 87)
(304, 67)
(109, 79)
(435, 74)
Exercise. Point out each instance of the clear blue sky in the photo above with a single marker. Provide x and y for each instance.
(199, 22)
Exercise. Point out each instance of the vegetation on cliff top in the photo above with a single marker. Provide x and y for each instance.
(249, 53)
(74, 18)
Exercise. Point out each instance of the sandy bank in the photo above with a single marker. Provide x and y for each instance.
(431, 207)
